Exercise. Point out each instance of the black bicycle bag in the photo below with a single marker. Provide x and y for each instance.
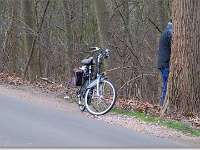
(77, 77)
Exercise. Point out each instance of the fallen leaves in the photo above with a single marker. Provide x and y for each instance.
(136, 105)
(45, 84)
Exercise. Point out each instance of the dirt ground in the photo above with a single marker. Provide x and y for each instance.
(55, 100)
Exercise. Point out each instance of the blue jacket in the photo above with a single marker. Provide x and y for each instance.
(164, 50)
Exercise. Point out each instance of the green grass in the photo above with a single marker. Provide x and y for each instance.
(179, 126)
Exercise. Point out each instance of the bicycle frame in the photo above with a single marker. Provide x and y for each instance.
(94, 94)
(96, 83)
(98, 75)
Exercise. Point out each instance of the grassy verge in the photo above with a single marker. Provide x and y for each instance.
(179, 126)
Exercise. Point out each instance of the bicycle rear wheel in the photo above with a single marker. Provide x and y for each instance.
(99, 105)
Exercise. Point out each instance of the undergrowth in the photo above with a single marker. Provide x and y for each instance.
(179, 126)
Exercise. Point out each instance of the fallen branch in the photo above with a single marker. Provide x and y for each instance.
(47, 80)
(136, 78)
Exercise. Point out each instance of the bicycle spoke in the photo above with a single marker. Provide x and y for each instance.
(101, 104)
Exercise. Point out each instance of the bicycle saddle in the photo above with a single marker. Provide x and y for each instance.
(88, 61)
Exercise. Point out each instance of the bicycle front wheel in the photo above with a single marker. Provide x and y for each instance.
(102, 103)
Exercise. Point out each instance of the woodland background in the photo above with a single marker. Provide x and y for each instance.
(48, 38)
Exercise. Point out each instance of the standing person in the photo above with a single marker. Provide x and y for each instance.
(164, 52)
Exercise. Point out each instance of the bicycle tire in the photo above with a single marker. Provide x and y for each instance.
(80, 102)
(81, 106)
(100, 105)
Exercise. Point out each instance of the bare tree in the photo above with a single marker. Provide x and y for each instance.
(32, 53)
(102, 14)
(10, 42)
(61, 37)
(67, 37)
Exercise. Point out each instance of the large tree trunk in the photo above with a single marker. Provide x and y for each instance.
(103, 22)
(32, 52)
(15, 53)
(183, 94)
(67, 37)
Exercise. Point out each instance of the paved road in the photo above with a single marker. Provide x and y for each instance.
(25, 124)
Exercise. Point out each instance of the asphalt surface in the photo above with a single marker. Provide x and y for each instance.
(24, 124)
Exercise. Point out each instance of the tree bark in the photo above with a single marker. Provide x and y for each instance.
(15, 53)
(183, 94)
(103, 22)
(32, 52)
(67, 37)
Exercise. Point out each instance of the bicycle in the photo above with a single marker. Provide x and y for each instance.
(96, 93)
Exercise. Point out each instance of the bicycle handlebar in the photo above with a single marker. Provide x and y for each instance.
(105, 54)
(95, 49)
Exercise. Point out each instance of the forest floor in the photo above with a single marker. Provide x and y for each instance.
(52, 95)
